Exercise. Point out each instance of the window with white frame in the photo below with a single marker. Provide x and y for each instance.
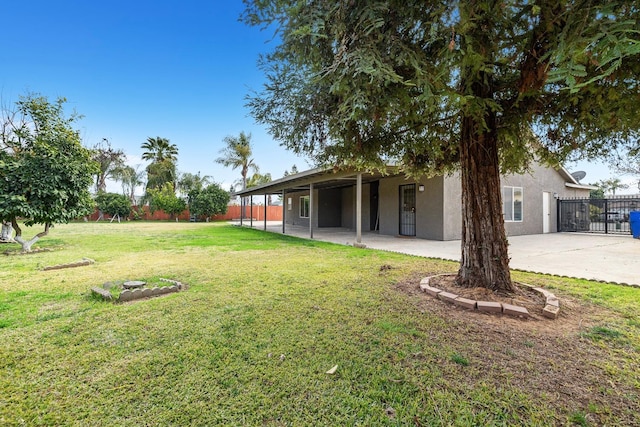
(289, 203)
(304, 206)
(512, 203)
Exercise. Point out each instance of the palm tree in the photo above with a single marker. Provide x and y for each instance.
(130, 179)
(163, 156)
(237, 154)
(159, 149)
(612, 185)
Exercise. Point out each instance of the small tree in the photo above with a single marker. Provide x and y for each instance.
(165, 199)
(46, 172)
(210, 201)
(114, 204)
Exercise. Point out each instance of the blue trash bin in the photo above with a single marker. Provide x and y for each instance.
(634, 222)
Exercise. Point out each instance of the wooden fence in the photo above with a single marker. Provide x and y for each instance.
(274, 213)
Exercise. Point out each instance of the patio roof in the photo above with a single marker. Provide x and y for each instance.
(321, 178)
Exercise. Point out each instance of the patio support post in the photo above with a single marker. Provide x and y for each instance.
(266, 205)
(359, 208)
(241, 209)
(311, 211)
(284, 209)
(251, 212)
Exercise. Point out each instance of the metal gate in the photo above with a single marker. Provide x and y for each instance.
(605, 216)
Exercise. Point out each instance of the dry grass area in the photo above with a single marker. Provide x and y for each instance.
(552, 360)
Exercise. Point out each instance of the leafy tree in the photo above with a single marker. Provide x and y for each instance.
(597, 193)
(237, 154)
(130, 179)
(108, 160)
(165, 199)
(45, 172)
(452, 85)
(209, 201)
(114, 204)
(163, 156)
(189, 182)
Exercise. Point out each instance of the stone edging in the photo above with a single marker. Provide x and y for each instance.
(551, 308)
(85, 261)
(130, 295)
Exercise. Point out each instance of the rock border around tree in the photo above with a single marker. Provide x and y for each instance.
(83, 262)
(139, 292)
(551, 309)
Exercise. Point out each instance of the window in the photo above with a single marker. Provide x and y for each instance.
(304, 207)
(512, 204)
(289, 203)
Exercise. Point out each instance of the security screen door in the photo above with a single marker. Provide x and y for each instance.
(408, 210)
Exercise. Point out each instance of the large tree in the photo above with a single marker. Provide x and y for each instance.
(45, 172)
(438, 86)
(109, 160)
(164, 157)
(237, 153)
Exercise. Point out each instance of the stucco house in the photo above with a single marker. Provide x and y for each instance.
(430, 208)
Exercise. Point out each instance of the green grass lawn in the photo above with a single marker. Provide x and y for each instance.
(265, 316)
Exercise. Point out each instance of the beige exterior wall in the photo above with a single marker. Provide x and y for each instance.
(438, 207)
(534, 184)
(429, 207)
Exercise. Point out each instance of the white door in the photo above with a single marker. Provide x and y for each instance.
(546, 212)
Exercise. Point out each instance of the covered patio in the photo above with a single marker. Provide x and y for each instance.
(309, 182)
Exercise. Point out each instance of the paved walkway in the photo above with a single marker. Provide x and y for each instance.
(612, 258)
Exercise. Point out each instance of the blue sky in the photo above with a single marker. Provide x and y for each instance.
(135, 69)
(141, 68)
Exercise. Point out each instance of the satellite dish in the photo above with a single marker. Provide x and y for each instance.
(579, 175)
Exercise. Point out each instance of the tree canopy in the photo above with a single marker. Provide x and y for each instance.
(114, 204)
(109, 160)
(209, 201)
(165, 199)
(45, 172)
(477, 87)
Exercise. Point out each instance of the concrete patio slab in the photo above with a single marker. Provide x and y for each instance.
(610, 258)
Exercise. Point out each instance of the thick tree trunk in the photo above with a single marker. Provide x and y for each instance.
(7, 230)
(485, 260)
(27, 244)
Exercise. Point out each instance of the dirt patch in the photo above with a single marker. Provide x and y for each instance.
(551, 360)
